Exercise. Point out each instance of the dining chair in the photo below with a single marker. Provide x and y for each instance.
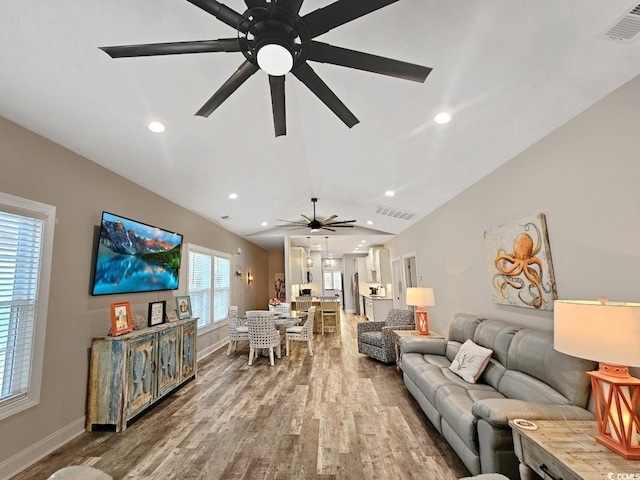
(303, 303)
(283, 308)
(330, 313)
(238, 330)
(302, 333)
(262, 334)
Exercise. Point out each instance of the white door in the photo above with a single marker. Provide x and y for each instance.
(398, 284)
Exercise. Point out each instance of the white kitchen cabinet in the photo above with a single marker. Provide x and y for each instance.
(377, 309)
(378, 266)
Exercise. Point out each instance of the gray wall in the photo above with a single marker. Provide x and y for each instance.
(585, 177)
(35, 168)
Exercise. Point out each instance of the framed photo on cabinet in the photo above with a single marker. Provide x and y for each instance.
(172, 315)
(157, 312)
(121, 318)
(184, 307)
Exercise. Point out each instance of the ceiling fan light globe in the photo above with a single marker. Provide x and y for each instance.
(315, 230)
(274, 59)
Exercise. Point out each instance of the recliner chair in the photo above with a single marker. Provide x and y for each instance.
(376, 339)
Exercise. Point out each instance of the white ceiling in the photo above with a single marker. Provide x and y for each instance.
(510, 72)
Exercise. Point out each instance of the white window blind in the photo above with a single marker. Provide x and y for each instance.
(200, 287)
(222, 288)
(26, 237)
(209, 285)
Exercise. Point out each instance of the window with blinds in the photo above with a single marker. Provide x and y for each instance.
(26, 239)
(209, 285)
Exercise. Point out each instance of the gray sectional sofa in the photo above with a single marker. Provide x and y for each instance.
(525, 378)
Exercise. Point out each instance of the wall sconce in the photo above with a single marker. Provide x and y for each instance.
(249, 278)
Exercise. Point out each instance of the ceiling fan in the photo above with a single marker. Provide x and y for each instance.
(273, 37)
(316, 225)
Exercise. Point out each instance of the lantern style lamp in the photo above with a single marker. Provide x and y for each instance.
(609, 333)
(421, 297)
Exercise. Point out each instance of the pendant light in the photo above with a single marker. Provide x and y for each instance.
(309, 259)
(327, 263)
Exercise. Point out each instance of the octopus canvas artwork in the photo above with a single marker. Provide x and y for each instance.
(519, 262)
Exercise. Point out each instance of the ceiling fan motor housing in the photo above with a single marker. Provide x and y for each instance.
(276, 26)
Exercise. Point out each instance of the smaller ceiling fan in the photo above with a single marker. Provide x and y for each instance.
(316, 225)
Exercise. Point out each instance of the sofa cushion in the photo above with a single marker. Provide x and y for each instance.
(497, 336)
(470, 361)
(557, 378)
(463, 327)
(372, 338)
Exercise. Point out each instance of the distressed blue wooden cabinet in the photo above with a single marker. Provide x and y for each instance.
(131, 372)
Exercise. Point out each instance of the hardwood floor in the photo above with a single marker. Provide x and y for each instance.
(336, 415)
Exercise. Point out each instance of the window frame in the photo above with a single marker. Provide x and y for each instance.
(46, 213)
(212, 254)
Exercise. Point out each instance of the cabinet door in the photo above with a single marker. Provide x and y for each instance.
(141, 374)
(168, 358)
(188, 363)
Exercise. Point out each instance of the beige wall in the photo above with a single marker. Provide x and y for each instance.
(585, 177)
(35, 168)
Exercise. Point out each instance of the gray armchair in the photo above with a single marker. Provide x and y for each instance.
(376, 339)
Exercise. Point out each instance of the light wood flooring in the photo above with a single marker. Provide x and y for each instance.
(336, 415)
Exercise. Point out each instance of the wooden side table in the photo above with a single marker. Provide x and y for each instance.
(409, 333)
(568, 450)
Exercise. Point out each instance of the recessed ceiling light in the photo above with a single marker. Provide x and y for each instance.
(389, 193)
(233, 196)
(357, 248)
(369, 222)
(156, 127)
(264, 224)
(363, 241)
(442, 118)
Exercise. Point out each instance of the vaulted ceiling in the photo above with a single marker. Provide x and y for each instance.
(508, 72)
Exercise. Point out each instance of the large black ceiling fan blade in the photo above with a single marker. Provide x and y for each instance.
(174, 48)
(343, 11)
(292, 6)
(223, 13)
(306, 75)
(231, 85)
(330, 229)
(336, 224)
(328, 219)
(325, 53)
(278, 105)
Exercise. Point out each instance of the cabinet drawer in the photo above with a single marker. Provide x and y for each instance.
(543, 464)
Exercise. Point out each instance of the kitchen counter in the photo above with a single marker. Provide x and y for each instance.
(376, 308)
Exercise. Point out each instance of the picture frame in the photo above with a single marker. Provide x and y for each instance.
(121, 318)
(172, 315)
(157, 312)
(183, 305)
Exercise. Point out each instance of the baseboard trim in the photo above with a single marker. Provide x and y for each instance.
(20, 461)
(349, 310)
(212, 348)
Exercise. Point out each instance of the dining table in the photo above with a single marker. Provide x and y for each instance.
(282, 321)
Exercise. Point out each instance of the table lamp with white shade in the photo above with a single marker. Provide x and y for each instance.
(609, 333)
(421, 297)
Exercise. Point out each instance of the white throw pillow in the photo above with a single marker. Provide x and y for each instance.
(470, 361)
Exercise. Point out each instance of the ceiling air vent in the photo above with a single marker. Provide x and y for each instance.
(395, 213)
(626, 29)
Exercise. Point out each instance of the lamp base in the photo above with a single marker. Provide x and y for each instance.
(616, 396)
(422, 322)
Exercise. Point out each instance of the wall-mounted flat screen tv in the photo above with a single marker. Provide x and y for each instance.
(135, 257)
